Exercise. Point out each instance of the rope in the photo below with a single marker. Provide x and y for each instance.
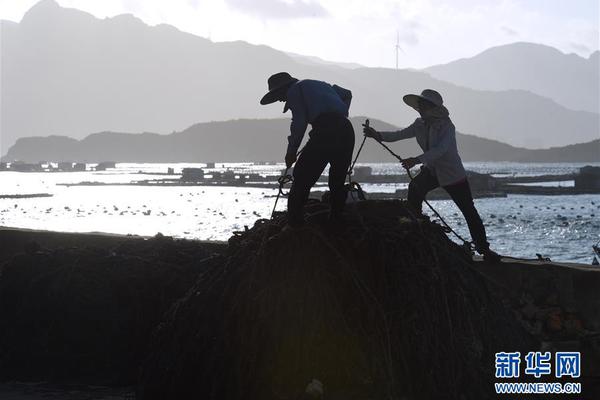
(466, 243)
(282, 180)
(354, 186)
(351, 170)
(539, 257)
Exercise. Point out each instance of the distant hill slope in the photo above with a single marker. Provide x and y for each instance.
(568, 79)
(258, 140)
(65, 72)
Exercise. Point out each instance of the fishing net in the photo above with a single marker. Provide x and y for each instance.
(384, 306)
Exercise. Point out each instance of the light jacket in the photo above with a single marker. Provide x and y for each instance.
(438, 142)
(308, 99)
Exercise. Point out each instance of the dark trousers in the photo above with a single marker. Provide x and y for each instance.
(331, 142)
(460, 194)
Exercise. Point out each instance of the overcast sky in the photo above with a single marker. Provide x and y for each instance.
(364, 31)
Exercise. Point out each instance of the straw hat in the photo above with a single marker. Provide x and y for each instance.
(429, 95)
(277, 84)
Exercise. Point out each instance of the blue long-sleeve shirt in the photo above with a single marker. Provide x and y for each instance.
(308, 99)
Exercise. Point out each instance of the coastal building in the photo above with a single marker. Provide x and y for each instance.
(229, 175)
(192, 174)
(103, 166)
(65, 166)
(588, 179)
(26, 167)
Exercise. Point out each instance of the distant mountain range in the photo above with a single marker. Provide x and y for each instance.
(258, 140)
(568, 79)
(65, 72)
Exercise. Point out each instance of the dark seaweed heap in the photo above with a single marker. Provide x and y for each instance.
(85, 313)
(384, 307)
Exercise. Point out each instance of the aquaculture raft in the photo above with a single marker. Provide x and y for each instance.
(383, 307)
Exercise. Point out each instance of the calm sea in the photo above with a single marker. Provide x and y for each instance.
(563, 228)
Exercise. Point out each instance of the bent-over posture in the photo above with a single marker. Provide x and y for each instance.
(325, 107)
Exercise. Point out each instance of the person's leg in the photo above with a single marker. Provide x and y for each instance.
(462, 196)
(340, 158)
(308, 169)
(418, 188)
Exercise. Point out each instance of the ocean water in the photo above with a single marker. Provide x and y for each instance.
(563, 228)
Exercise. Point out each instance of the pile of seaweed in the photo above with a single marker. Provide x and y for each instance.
(383, 306)
(86, 313)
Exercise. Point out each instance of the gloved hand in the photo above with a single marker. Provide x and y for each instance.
(372, 133)
(290, 159)
(408, 163)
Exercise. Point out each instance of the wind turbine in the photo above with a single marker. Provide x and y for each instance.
(397, 47)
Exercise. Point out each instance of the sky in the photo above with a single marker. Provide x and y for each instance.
(365, 31)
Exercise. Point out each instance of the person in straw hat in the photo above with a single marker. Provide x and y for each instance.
(441, 163)
(325, 108)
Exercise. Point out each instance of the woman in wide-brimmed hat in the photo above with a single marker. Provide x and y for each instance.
(325, 107)
(442, 166)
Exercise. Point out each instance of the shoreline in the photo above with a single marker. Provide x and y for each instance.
(16, 240)
(105, 234)
(19, 236)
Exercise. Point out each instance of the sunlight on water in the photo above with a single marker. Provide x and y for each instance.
(561, 227)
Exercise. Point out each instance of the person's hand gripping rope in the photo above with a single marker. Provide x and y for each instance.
(407, 163)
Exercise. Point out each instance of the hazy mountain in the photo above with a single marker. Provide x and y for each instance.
(65, 72)
(312, 60)
(257, 140)
(568, 79)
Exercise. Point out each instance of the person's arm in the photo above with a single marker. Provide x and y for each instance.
(440, 148)
(406, 133)
(299, 119)
(345, 94)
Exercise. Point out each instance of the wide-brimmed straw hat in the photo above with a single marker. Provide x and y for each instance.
(277, 83)
(428, 95)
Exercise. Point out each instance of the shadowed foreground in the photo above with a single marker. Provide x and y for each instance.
(383, 308)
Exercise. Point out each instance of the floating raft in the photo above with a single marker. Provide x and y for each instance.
(24, 196)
